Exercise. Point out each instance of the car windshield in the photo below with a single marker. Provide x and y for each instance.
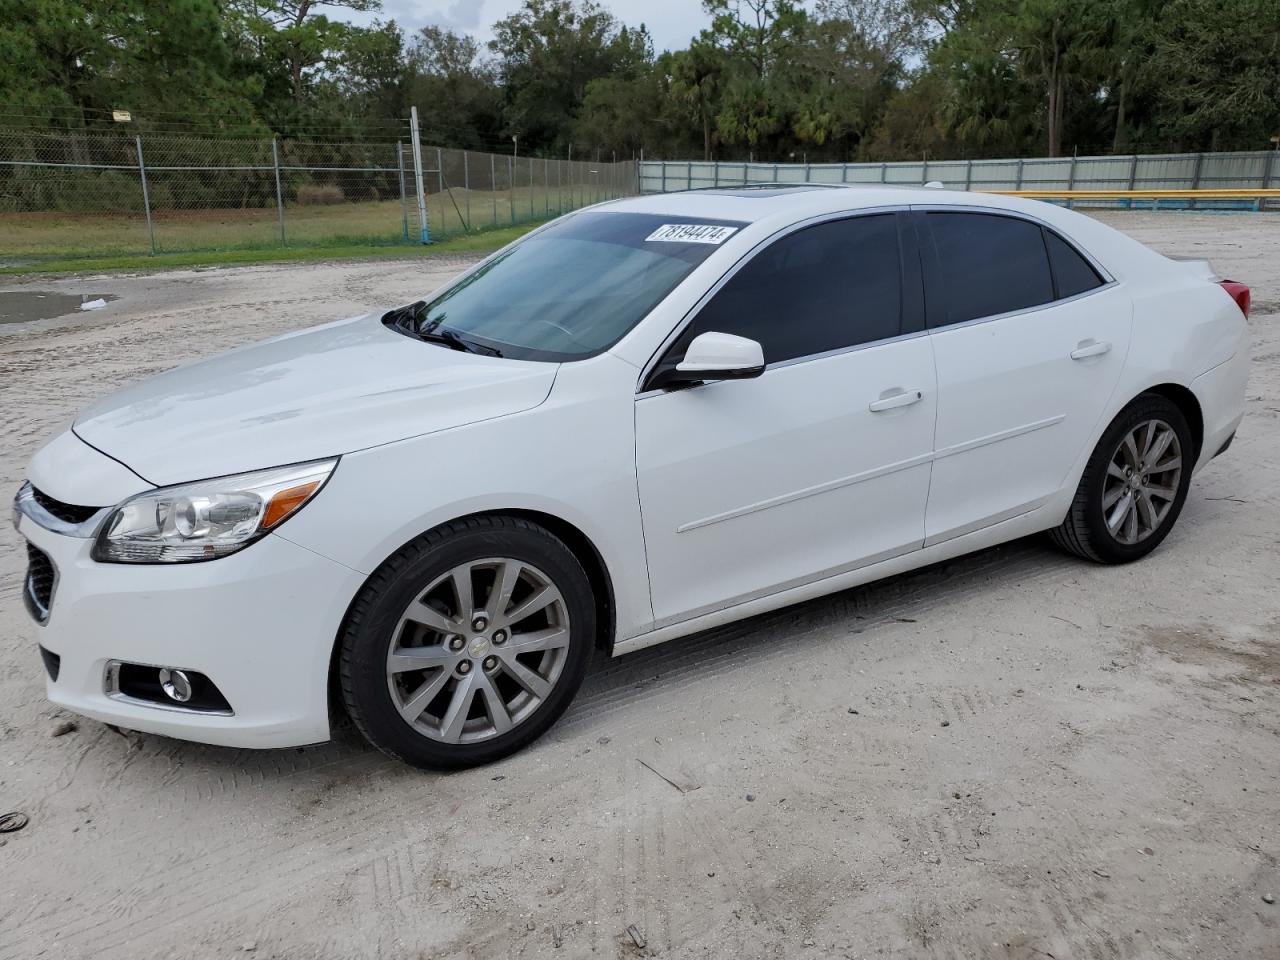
(569, 291)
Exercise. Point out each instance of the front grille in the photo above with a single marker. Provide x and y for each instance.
(38, 590)
(66, 512)
(52, 663)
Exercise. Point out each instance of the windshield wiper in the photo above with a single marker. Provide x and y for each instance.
(406, 320)
(453, 341)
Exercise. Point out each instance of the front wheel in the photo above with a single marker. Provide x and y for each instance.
(1134, 485)
(467, 644)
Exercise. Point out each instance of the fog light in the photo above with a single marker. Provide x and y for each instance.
(175, 684)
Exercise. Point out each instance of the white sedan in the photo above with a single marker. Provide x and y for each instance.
(642, 420)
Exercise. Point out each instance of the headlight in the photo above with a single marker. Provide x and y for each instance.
(207, 519)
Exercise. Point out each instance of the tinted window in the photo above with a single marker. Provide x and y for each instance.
(573, 289)
(989, 264)
(828, 286)
(1071, 272)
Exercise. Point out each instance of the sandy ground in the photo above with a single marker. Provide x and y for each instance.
(1014, 755)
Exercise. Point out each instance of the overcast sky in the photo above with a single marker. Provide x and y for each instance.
(671, 22)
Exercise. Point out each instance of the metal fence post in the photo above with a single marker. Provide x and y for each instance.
(968, 174)
(884, 173)
(689, 176)
(404, 198)
(466, 184)
(1195, 177)
(146, 196)
(511, 188)
(531, 213)
(493, 185)
(546, 188)
(275, 161)
(1071, 174)
(1018, 183)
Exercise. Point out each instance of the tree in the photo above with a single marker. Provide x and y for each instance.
(1218, 88)
(455, 89)
(549, 52)
(296, 31)
(697, 75)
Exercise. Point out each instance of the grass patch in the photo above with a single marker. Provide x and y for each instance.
(483, 241)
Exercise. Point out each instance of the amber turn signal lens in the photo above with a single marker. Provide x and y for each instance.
(287, 501)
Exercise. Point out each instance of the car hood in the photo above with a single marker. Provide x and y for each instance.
(315, 393)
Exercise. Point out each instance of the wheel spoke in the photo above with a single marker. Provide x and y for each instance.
(1131, 522)
(493, 705)
(1120, 512)
(1130, 449)
(403, 659)
(1146, 512)
(1151, 457)
(1148, 438)
(459, 706)
(1111, 496)
(1171, 464)
(461, 577)
(527, 678)
(503, 586)
(1164, 493)
(553, 638)
(1115, 470)
(540, 599)
(429, 616)
(412, 708)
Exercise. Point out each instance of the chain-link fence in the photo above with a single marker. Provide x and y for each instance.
(1243, 172)
(99, 194)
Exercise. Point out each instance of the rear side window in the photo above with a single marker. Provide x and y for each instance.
(829, 286)
(989, 264)
(1072, 273)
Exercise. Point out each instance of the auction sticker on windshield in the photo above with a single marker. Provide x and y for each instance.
(691, 233)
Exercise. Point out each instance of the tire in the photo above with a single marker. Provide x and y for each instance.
(1086, 531)
(525, 655)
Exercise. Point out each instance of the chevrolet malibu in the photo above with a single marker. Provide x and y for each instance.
(642, 420)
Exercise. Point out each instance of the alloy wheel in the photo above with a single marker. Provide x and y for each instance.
(477, 652)
(1142, 481)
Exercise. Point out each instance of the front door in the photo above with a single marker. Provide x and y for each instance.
(819, 465)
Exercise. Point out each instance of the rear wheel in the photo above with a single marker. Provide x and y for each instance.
(1134, 485)
(468, 644)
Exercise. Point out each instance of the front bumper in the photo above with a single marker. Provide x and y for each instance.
(260, 623)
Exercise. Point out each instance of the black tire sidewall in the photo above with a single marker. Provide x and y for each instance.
(370, 632)
(1101, 540)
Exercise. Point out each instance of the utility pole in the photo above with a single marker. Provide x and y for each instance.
(417, 174)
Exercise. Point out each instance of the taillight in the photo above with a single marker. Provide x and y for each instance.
(1239, 293)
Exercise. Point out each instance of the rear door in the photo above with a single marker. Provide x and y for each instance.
(819, 465)
(1029, 337)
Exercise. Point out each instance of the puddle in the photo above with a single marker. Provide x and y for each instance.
(21, 306)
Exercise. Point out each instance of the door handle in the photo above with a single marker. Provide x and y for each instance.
(900, 398)
(1090, 348)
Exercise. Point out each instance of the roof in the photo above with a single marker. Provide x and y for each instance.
(750, 205)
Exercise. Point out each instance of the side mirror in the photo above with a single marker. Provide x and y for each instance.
(717, 356)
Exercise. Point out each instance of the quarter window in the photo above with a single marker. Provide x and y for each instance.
(989, 264)
(1072, 273)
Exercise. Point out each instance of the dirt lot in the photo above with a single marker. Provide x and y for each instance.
(1013, 755)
